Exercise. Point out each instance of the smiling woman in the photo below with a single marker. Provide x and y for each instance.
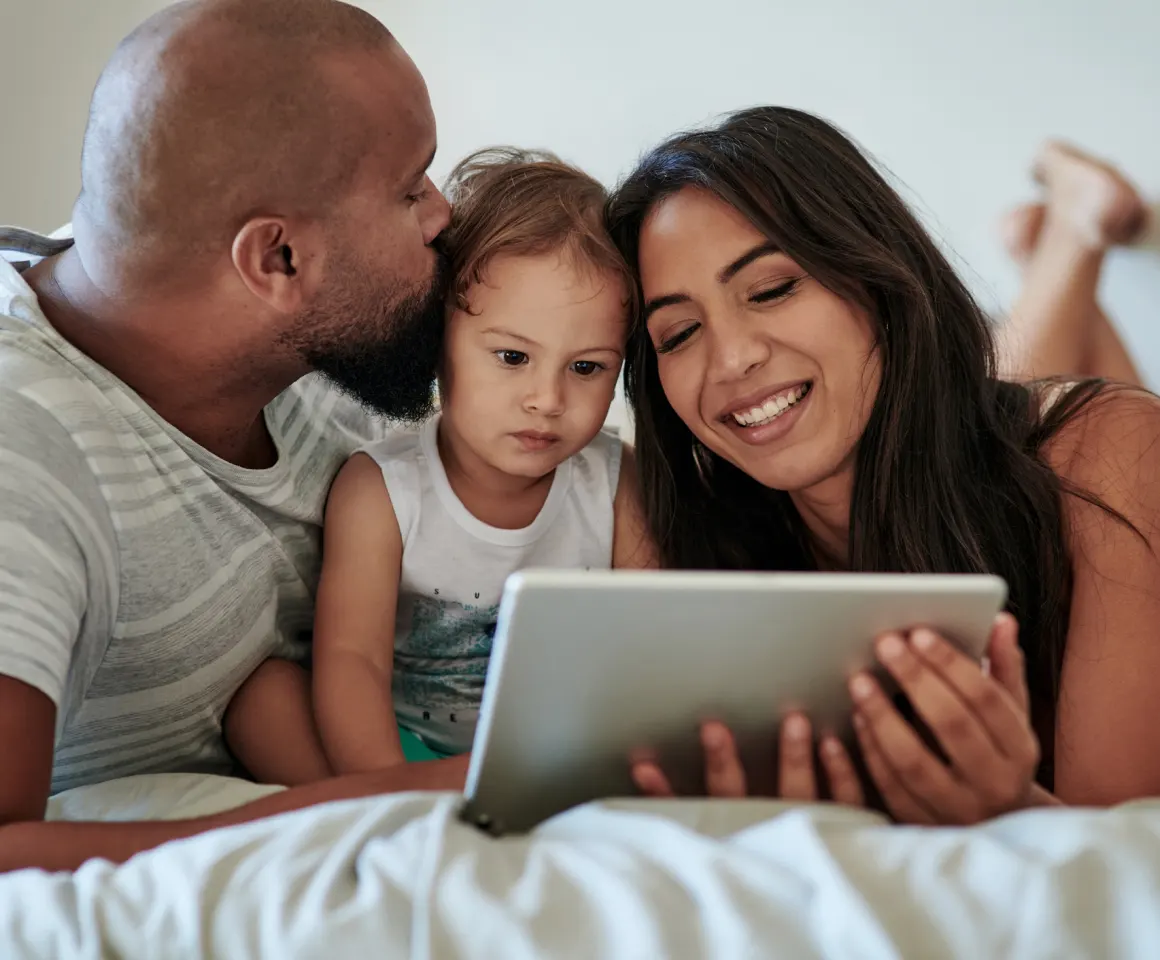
(815, 388)
(817, 361)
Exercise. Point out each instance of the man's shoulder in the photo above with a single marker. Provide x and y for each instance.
(28, 354)
(44, 407)
(37, 380)
(47, 403)
(31, 375)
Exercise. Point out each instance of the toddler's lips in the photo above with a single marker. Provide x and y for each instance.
(533, 440)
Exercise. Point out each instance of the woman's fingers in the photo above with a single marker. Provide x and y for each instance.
(1007, 663)
(997, 702)
(984, 728)
(795, 778)
(929, 673)
(910, 763)
(724, 775)
(845, 786)
(899, 801)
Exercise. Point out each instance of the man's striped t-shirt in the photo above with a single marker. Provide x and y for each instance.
(142, 578)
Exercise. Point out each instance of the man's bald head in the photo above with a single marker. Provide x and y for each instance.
(254, 186)
(215, 111)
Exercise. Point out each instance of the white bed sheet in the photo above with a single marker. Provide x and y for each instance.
(400, 876)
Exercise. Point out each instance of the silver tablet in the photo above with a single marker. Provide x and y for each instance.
(588, 668)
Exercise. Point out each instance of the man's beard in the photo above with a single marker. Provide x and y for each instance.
(380, 346)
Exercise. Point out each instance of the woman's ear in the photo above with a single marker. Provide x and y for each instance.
(277, 262)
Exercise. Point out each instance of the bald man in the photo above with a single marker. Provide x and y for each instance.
(252, 272)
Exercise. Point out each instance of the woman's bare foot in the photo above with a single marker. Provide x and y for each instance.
(1091, 197)
(1019, 230)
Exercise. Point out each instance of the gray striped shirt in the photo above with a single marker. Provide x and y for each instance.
(141, 577)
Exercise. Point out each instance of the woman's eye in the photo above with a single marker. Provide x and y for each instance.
(776, 293)
(586, 367)
(512, 358)
(669, 344)
(417, 197)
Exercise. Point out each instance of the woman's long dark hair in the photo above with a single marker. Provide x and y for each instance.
(949, 474)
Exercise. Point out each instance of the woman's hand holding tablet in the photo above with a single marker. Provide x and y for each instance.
(979, 717)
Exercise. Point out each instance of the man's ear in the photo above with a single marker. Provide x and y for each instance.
(277, 261)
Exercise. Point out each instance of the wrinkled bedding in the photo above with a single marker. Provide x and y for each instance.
(400, 876)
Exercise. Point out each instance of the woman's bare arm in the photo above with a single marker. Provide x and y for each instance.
(1107, 745)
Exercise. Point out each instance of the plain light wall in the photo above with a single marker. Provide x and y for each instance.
(52, 54)
(952, 97)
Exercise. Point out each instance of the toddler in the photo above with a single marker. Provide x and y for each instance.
(515, 470)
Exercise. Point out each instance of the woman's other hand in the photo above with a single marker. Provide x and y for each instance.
(979, 718)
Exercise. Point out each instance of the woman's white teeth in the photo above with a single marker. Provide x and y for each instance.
(773, 408)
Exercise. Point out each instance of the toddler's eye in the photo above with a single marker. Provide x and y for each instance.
(586, 367)
(512, 358)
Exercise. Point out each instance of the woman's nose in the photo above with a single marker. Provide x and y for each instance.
(736, 352)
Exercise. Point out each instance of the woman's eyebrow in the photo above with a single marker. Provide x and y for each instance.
(761, 250)
(727, 273)
(656, 303)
